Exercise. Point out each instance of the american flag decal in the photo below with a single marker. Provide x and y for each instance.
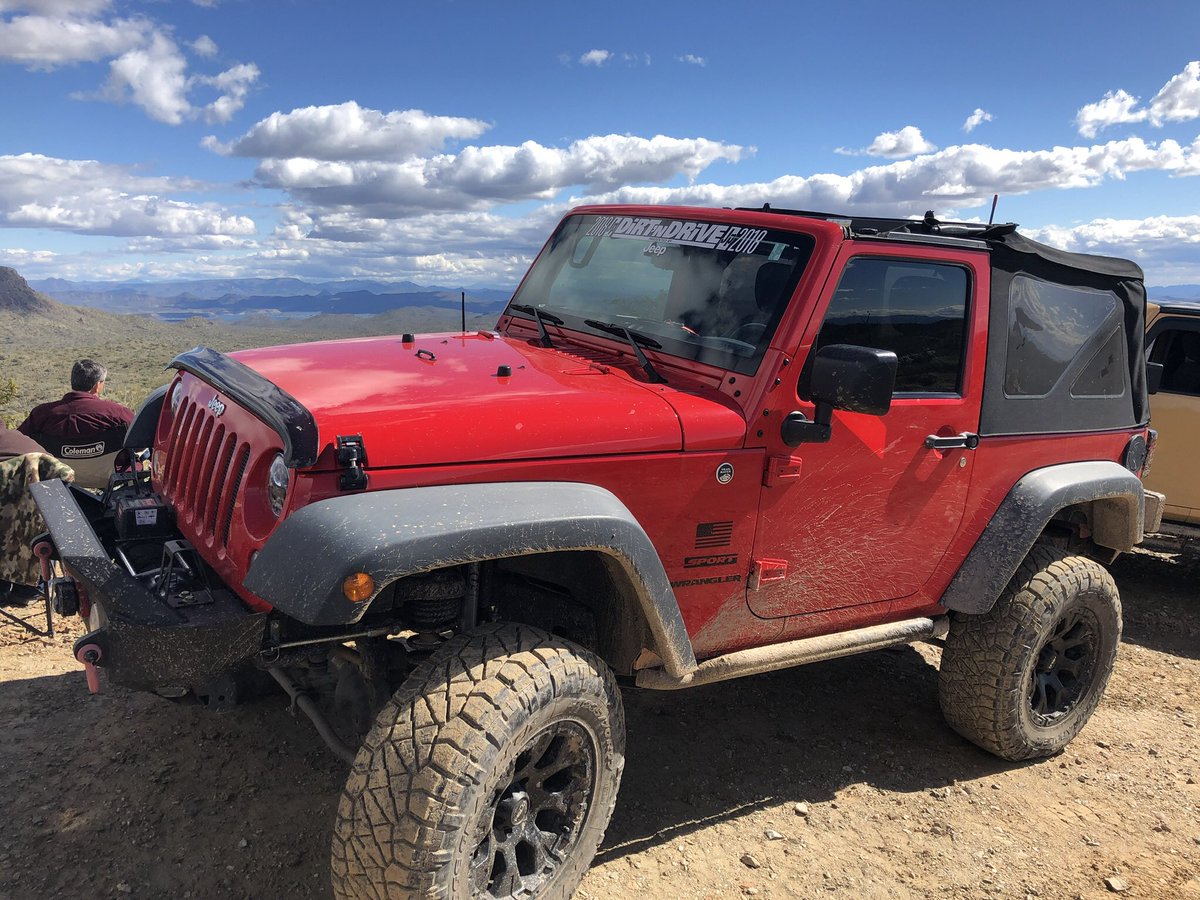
(714, 534)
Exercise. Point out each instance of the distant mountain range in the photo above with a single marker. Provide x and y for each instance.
(237, 298)
(1174, 292)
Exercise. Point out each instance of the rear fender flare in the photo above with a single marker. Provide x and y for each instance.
(1117, 512)
(397, 533)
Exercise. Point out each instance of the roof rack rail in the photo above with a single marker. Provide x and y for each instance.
(871, 225)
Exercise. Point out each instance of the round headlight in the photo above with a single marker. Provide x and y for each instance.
(277, 484)
(176, 397)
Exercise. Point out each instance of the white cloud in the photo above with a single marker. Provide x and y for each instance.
(595, 58)
(908, 141)
(479, 177)
(47, 42)
(20, 258)
(233, 84)
(348, 132)
(1177, 101)
(55, 7)
(1179, 98)
(1166, 247)
(975, 119)
(204, 46)
(89, 197)
(146, 66)
(692, 59)
(153, 77)
(1115, 108)
(953, 178)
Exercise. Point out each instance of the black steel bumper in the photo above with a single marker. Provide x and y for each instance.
(141, 641)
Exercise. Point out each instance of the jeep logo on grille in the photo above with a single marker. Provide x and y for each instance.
(215, 406)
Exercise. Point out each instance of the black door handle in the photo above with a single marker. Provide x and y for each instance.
(964, 441)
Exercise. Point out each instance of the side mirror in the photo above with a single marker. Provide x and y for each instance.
(856, 379)
(1154, 374)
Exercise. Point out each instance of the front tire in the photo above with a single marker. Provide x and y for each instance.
(1022, 679)
(491, 773)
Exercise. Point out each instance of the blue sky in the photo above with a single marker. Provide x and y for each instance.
(440, 141)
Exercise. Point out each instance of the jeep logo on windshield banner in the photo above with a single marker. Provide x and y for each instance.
(215, 406)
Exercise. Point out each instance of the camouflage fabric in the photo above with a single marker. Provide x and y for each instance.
(20, 520)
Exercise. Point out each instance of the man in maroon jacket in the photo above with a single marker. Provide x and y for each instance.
(82, 425)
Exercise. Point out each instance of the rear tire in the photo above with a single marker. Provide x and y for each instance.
(491, 773)
(1022, 679)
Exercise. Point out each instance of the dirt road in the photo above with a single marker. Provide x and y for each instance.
(835, 780)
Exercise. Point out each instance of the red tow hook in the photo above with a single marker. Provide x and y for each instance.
(43, 550)
(89, 655)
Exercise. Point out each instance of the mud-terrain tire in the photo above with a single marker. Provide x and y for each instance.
(1022, 679)
(500, 739)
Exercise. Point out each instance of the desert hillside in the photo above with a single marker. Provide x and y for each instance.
(40, 338)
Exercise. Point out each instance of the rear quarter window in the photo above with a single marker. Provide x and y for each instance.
(1048, 326)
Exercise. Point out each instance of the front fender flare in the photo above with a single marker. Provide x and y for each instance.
(393, 534)
(1117, 501)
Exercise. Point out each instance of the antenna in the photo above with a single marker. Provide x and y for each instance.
(992, 217)
(464, 311)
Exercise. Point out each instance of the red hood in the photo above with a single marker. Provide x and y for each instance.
(453, 408)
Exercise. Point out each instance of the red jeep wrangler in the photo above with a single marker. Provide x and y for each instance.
(700, 444)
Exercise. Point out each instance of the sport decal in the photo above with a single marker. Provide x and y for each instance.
(736, 238)
(714, 534)
(704, 562)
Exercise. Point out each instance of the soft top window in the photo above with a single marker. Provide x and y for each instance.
(1048, 325)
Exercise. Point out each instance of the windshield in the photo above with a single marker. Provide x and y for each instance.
(704, 291)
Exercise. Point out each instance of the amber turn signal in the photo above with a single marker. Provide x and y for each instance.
(358, 587)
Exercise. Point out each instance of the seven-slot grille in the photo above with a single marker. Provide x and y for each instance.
(206, 464)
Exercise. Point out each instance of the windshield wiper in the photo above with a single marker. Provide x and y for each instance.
(541, 318)
(636, 341)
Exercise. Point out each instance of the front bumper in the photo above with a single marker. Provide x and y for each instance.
(143, 642)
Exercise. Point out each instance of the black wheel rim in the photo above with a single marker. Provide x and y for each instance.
(1062, 672)
(536, 814)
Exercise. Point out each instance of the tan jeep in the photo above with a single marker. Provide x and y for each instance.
(1173, 341)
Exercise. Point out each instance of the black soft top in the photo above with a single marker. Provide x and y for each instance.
(1077, 288)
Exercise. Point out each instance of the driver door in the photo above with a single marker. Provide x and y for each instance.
(868, 516)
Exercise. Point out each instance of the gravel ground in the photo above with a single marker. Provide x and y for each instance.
(838, 779)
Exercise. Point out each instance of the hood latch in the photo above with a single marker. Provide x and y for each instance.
(351, 453)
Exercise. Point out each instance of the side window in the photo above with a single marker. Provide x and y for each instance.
(1178, 350)
(916, 309)
(1049, 325)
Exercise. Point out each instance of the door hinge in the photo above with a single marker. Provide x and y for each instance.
(780, 468)
(765, 571)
